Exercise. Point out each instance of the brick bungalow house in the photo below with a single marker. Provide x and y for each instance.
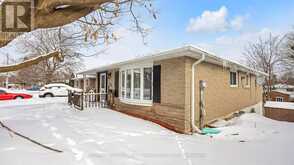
(165, 87)
(282, 93)
(281, 96)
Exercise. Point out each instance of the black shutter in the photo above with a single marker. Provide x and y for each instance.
(156, 83)
(116, 84)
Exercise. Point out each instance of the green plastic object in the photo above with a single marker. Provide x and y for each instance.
(210, 131)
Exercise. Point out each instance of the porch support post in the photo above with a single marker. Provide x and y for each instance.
(96, 83)
(85, 85)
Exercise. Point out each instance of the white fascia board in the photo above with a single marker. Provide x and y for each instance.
(190, 51)
(211, 58)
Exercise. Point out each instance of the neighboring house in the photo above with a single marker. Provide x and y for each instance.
(164, 87)
(282, 93)
(87, 82)
(282, 111)
(283, 87)
(281, 96)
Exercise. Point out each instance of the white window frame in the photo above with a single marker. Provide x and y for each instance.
(237, 79)
(140, 101)
(280, 99)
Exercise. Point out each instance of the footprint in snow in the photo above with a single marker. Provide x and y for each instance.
(57, 136)
(89, 161)
(53, 128)
(8, 149)
(45, 124)
(70, 142)
(78, 154)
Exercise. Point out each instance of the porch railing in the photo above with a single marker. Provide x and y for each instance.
(83, 101)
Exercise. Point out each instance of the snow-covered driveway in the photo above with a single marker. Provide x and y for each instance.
(107, 137)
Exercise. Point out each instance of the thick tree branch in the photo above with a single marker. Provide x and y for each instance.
(56, 13)
(30, 62)
(102, 14)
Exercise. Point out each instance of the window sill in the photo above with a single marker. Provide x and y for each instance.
(137, 102)
(233, 86)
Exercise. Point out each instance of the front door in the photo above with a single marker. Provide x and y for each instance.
(103, 83)
(103, 88)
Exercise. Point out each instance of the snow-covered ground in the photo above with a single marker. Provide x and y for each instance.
(103, 136)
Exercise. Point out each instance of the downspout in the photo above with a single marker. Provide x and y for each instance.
(194, 127)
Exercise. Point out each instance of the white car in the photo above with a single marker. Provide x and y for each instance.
(57, 90)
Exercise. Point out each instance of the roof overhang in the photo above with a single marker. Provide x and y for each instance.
(189, 51)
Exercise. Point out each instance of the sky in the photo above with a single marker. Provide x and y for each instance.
(223, 27)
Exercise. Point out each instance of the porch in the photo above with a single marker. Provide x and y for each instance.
(96, 92)
(82, 101)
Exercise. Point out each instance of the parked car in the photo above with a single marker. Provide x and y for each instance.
(57, 90)
(6, 94)
(34, 88)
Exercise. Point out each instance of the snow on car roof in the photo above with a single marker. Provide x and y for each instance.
(64, 85)
(281, 105)
(55, 84)
(283, 91)
(5, 89)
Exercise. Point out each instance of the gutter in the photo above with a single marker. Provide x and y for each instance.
(194, 127)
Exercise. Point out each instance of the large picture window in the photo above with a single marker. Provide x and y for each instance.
(136, 85)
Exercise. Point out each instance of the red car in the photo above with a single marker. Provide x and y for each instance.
(6, 95)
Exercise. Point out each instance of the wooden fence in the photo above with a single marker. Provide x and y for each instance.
(83, 101)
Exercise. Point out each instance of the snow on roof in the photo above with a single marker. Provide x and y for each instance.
(284, 92)
(56, 84)
(283, 86)
(189, 50)
(5, 89)
(281, 105)
(78, 77)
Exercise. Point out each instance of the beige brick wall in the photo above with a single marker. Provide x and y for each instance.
(279, 114)
(174, 111)
(220, 98)
(173, 82)
(175, 91)
(275, 94)
(171, 112)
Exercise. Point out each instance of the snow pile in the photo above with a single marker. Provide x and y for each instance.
(281, 105)
(107, 137)
(29, 102)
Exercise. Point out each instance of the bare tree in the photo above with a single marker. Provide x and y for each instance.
(96, 17)
(265, 55)
(67, 41)
(288, 50)
(287, 78)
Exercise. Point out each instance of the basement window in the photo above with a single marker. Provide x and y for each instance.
(233, 79)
